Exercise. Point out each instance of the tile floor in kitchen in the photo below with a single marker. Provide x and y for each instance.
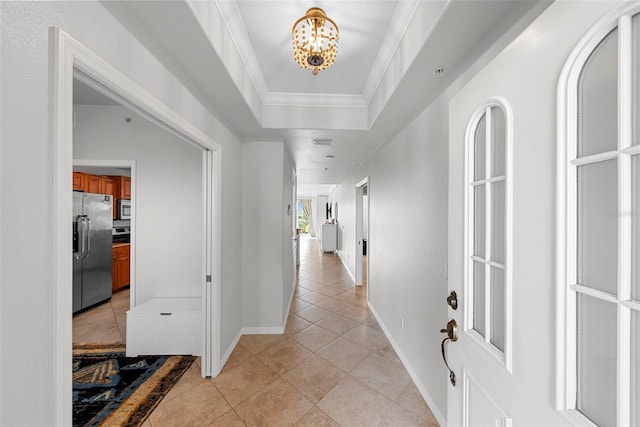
(333, 366)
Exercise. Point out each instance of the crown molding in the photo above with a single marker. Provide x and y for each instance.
(314, 100)
(402, 17)
(236, 35)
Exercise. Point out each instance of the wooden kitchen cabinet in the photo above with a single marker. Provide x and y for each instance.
(106, 186)
(92, 183)
(126, 187)
(78, 181)
(120, 266)
(121, 187)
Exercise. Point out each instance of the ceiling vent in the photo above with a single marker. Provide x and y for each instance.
(326, 141)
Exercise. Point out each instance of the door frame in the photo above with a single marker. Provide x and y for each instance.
(69, 58)
(359, 230)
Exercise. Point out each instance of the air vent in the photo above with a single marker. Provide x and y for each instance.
(322, 141)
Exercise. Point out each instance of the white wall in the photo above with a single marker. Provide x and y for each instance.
(526, 74)
(26, 171)
(288, 209)
(99, 170)
(407, 248)
(169, 205)
(266, 235)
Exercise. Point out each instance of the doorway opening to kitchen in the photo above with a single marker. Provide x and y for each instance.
(101, 318)
(70, 60)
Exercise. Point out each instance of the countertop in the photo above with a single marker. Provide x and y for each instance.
(118, 245)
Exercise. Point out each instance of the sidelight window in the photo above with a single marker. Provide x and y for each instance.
(488, 284)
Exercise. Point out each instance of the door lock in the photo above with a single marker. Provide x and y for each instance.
(452, 335)
(452, 300)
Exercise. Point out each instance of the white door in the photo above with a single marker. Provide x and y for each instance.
(599, 224)
(210, 363)
(479, 307)
(538, 346)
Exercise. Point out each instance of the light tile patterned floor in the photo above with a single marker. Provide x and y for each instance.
(104, 323)
(333, 366)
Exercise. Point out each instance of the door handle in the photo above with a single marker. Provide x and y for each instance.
(82, 237)
(452, 335)
(78, 238)
(84, 228)
(88, 234)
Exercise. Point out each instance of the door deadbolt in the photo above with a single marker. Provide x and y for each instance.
(452, 300)
(452, 335)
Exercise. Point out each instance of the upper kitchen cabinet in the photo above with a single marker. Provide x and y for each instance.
(98, 184)
(78, 181)
(92, 183)
(121, 187)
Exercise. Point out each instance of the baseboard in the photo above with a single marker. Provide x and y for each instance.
(268, 330)
(423, 391)
(262, 330)
(293, 292)
(346, 267)
(227, 354)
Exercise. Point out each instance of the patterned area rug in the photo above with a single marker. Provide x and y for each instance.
(112, 389)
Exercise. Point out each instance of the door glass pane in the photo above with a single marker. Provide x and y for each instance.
(497, 307)
(598, 226)
(497, 222)
(478, 297)
(636, 79)
(635, 368)
(498, 137)
(479, 150)
(635, 227)
(598, 99)
(596, 360)
(479, 222)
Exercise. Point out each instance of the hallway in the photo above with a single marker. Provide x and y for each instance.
(332, 367)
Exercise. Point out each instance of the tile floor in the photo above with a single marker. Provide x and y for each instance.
(104, 323)
(333, 366)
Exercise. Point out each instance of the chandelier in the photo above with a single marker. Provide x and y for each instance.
(315, 40)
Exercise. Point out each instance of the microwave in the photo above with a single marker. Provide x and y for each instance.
(124, 209)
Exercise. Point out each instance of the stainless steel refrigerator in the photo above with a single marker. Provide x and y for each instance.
(92, 243)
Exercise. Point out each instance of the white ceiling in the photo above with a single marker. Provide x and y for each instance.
(236, 57)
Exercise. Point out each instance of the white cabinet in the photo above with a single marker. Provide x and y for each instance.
(165, 326)
(329, 237)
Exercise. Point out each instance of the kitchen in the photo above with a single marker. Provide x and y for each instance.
(101, 253)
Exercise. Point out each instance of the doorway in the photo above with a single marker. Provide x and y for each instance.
(105, 322)
(70, 59)
(362, 234)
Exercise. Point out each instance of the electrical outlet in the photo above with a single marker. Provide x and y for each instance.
(402, 323)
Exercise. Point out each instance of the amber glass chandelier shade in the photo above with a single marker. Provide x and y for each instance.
(315, 40)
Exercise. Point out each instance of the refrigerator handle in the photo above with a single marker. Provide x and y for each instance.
(87, 234)
(78, 238)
